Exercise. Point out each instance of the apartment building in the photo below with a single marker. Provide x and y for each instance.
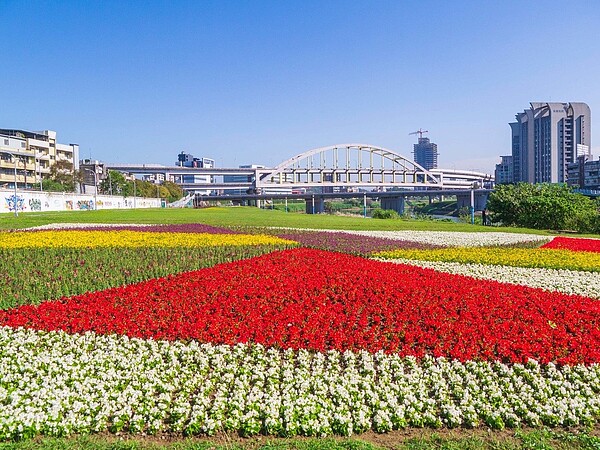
(584, 173)
(546, 138)
(504, 171)
(34, 152)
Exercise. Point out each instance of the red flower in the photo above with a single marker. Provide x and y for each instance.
(321, 300)
(574, 244)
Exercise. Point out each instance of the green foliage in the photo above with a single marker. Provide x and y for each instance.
(62, 178)
(113, 184)
(49, 185)
(384, 214)
(174, 191)
(116, 184)
(544, 207)
(446, 207)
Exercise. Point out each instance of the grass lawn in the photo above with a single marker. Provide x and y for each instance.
(239, 217)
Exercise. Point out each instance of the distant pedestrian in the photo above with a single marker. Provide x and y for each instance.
(484, 217)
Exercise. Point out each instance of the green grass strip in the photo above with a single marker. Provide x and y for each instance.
(238, 216)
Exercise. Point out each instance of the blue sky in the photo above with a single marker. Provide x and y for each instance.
(261, 81)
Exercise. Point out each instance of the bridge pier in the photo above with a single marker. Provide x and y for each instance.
(394, 203)
(315, 205)
(480, 200)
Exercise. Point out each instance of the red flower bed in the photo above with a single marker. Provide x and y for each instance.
(305, 298)
(574, 244)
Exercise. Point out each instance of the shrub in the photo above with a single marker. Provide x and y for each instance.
(379, 213)
(543, 206)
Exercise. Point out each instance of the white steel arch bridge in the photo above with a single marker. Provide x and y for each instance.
(341, 166)
(362, 165)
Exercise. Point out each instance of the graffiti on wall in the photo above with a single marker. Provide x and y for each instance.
(85, 204)
(35, 204)
(15, 203)
(61, 201)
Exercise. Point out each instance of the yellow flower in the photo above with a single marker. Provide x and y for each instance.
(91, 239)
(516, 257)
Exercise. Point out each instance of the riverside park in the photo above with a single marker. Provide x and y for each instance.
(246, 328)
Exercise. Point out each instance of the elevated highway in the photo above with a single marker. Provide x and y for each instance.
(341, 167)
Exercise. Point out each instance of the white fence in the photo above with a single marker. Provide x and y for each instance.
(67, 201)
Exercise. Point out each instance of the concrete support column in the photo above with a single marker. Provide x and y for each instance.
(395, 203)
(479, 200)
(315, 205)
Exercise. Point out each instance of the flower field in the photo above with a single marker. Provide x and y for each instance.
(127, 238)
(516, 257)
(578, 245)
(193, 330)
(456, 238)
(348, 242)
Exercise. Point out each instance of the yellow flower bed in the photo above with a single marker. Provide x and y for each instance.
(73, 239)
(517, 257)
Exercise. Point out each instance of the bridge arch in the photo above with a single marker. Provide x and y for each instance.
(350, 164)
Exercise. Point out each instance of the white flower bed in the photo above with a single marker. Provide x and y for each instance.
(456, 238)
(57, 384)
(561, 280)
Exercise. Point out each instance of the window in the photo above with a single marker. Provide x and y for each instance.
(5, 141)
(23, 145)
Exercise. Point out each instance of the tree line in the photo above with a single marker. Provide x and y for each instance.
(544, 206)
(62, 178)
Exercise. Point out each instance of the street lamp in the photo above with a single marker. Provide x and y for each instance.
(474, 186)
(14, 157)
(38, 165)
(95, 187)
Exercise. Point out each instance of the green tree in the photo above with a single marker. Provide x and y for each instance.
(62, 177)
(126, 188)
(174, 190)
(114, 183)
(543, 206)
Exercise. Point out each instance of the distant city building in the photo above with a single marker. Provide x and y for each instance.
(250, 179)
(240, 179)
(156, 178)
(504, 170)
(36, 152)
(546, 138)
(426, 154)
(188, 160)
(92, 173)
(584, 173)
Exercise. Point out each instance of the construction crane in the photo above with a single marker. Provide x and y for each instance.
(419, 132)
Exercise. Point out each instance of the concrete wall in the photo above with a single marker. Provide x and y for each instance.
(59, 201)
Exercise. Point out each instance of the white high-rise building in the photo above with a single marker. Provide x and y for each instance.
(546, 138)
